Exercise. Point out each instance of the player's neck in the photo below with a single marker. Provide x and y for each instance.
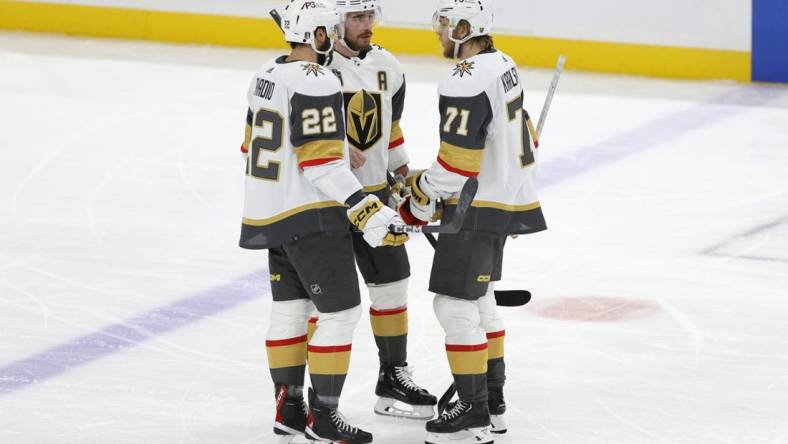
(302, 53)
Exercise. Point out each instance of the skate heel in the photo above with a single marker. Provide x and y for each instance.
(392, 407)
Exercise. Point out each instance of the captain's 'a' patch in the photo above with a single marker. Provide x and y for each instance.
(364, 118)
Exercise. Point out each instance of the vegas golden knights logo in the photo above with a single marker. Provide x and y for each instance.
(364, 120)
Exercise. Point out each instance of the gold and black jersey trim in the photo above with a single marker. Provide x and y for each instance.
(272, 232)
(501, 218)
(397, 138)
(375, 188)
(319, 152)
(464, 161)
(247, 132)
(398, 105)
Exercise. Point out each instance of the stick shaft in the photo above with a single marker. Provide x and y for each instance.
(559, 69)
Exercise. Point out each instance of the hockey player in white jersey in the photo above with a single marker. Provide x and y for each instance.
(374, 92)
(298, 191)
(484, 135)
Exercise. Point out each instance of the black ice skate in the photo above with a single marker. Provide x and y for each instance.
(400, 396)
(291, 413)
(327, 425)
(463, 423)
(497, 409)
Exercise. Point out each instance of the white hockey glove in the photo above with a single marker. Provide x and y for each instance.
(420, 207)
(373, 218)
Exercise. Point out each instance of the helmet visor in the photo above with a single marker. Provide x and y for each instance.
(372, 16)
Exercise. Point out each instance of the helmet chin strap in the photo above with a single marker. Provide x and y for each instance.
(323, 52)
(458, 43)
(323, 56)
(342, 46)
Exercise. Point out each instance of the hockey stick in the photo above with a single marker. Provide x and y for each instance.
(453, 226)
(536, 133)
(503, 298)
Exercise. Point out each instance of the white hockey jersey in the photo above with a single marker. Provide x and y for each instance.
(374, 91)
(295, 123)
(483, 134)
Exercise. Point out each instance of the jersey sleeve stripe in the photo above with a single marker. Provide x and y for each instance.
(320, 152)
(317, 162)
(247, 132)
(247, 139)
(396, 142)
(467, 162)
(455, 170)
(396, 138)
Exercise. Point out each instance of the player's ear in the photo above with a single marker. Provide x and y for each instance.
(320, 37)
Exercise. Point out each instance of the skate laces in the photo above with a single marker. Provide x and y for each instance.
(405, 376)
(339, 420)
(455, 411)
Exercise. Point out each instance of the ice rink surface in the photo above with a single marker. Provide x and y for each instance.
(129, 315)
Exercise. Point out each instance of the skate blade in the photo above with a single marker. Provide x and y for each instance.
(399, 409)
(498, 424)
(477, 435)
(288, 439)
(286, 435)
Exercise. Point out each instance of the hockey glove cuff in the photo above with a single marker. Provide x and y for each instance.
(373, 218)
(407, 215)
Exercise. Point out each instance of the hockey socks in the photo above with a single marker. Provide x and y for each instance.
(328, 366)
(496, 369)
(469, 367)
(287, 360)
(390, 328)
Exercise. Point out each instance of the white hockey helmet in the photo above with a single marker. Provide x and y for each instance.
(478, 14)
(347, 6)
(301, 18)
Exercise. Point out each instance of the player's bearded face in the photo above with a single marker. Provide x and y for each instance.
(358, 29)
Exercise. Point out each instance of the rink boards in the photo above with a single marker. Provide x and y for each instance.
(732, 39)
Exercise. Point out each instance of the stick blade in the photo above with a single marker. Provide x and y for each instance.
(512, 298)
(467, 194)
(443, 403)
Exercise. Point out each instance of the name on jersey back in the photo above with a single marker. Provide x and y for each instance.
(264, 88)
